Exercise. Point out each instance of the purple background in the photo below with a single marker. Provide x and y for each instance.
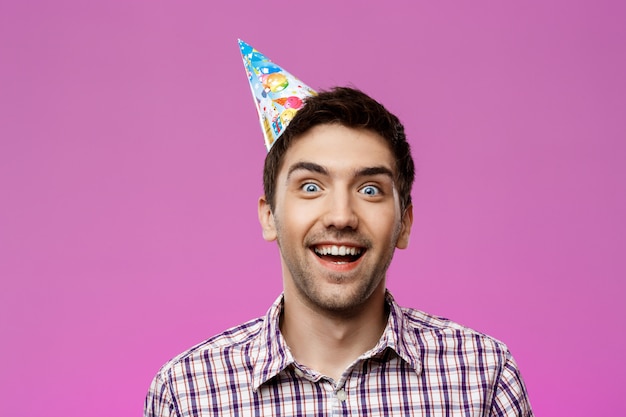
(130, 167)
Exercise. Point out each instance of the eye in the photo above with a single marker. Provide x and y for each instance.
(310, 187)
(370, 190)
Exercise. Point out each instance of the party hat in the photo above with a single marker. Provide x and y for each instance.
(278, 94)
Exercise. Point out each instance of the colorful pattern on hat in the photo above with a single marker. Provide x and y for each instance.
(278, 94)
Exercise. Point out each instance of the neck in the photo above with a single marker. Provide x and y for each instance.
(329, 342)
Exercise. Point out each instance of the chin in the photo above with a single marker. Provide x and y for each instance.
(342, 300)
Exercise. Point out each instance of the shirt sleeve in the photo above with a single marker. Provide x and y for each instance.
(511, 398)
(158, 400)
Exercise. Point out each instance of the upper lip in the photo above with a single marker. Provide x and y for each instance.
(344, 243)
(338, 248)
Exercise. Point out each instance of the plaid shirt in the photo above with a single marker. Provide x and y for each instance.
(422, 366)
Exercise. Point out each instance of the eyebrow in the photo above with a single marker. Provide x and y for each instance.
(371, 171)
(363, 172)
(307, 166)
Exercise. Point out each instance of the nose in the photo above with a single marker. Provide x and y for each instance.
(340, 211)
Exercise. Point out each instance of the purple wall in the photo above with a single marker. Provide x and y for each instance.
(130, 166)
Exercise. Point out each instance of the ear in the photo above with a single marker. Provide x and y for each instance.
(405, 228)
(266, 218)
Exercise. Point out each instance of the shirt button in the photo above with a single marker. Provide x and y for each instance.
(299, 373)
(341, 395)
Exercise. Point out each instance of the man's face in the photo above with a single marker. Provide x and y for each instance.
(336, 218)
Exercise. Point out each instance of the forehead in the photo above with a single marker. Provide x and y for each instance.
(339, 147)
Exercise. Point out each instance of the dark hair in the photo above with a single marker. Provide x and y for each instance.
(351, 108)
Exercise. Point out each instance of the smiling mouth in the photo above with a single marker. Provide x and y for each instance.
(339, 254)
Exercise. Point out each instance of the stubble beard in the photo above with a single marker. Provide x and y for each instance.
(341, 301)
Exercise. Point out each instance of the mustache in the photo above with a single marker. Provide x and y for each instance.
(333, 233)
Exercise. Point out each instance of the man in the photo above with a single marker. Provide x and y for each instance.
(337, 202)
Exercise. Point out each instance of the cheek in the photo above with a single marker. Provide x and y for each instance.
(290, 222)
(384, 224)
(300, 211)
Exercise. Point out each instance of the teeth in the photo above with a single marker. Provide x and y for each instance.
(337, 250)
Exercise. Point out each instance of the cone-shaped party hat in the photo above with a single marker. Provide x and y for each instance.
(278, 94)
